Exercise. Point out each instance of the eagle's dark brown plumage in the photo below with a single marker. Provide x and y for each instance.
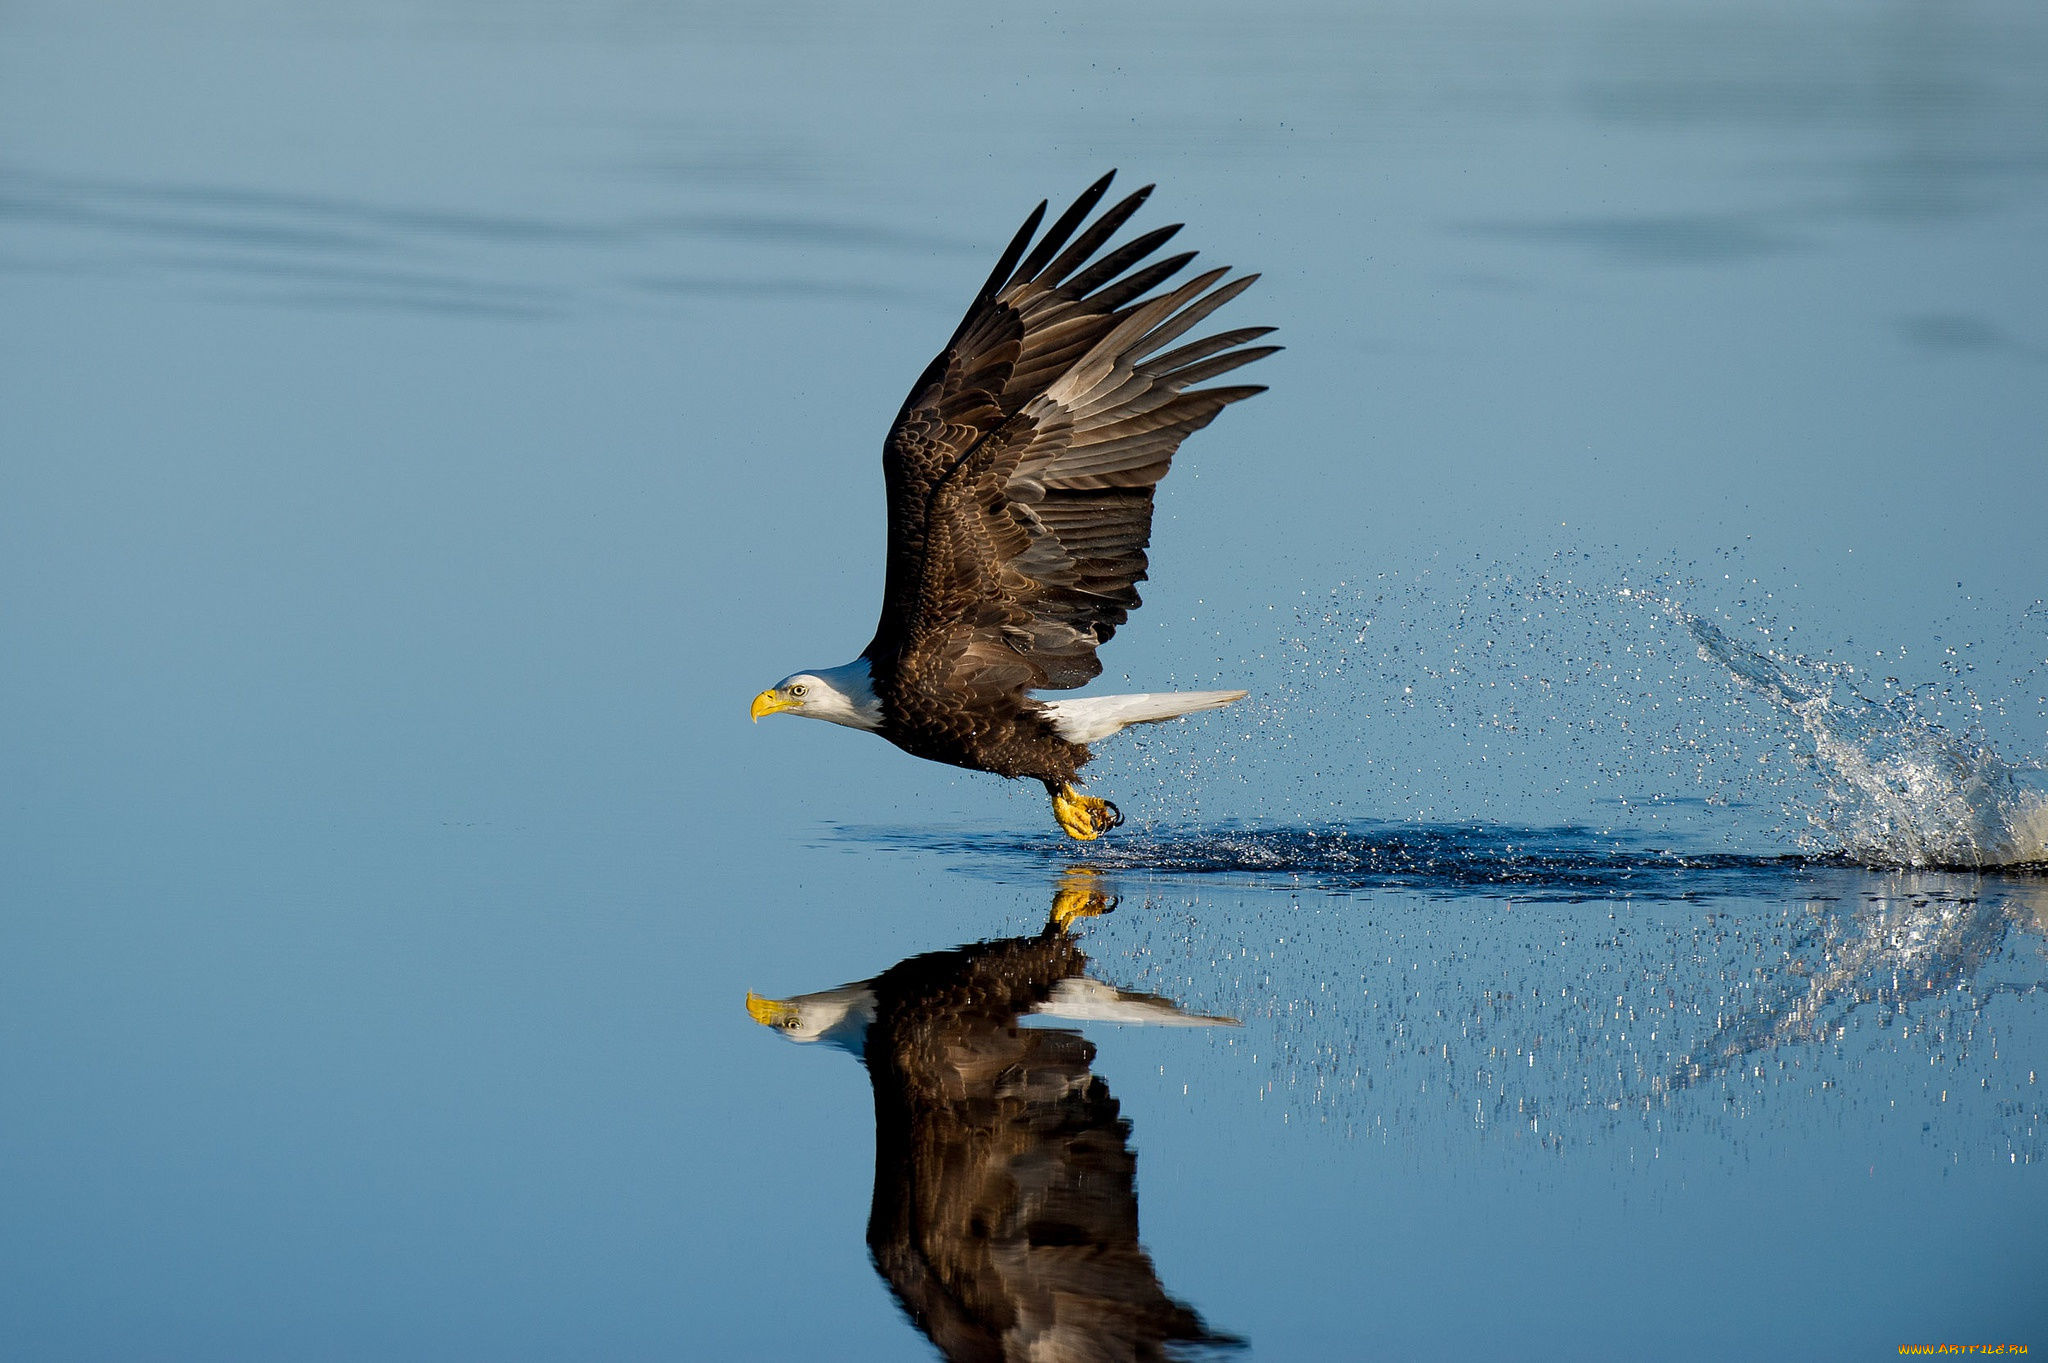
(1020, 475)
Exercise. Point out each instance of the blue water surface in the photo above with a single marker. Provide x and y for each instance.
(423, 425)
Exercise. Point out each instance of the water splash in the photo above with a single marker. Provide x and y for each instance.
(1526, 692)
(1902, 790)
(1570, 691)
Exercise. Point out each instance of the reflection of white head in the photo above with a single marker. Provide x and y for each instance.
(840, 1016)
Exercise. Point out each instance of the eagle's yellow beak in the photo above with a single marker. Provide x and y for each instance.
(768, 703)
(767, 1012)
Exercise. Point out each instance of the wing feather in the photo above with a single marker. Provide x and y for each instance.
(1101, 230)
(1122, 292)
(1209, 345)
(1121, 259)
(1056, 236)
(1022, 469)
(1191, 315)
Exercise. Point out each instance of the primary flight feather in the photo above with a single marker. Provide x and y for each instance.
(1020, 474)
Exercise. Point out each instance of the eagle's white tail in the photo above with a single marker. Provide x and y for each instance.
(1087, 718)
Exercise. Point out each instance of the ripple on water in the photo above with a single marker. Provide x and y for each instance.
(1564, 863)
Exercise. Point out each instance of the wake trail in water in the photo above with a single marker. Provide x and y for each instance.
(1903, 790)
(1534, 864)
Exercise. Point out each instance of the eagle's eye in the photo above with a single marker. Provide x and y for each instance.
(798, 689)
(791, 1024)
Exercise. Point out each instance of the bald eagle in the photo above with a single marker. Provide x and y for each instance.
(1020, 474)
(1005, 1213)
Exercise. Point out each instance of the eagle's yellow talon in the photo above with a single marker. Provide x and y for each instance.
(1083, 816)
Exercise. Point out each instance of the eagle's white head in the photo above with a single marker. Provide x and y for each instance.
(842, 695)
(839, 1016)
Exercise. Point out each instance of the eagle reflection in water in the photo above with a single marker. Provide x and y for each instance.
(1005, 1215)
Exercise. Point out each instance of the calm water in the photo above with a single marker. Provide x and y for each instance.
(423, 426)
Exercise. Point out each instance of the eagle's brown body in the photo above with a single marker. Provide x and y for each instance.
(1020, 474)
(1012, 738)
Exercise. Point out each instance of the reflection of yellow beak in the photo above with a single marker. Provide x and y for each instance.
(768, 703)
(768, 1012)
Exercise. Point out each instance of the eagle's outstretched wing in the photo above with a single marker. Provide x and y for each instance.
(1020, 472)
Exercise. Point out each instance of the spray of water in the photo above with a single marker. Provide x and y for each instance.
(1902, 790)
(1569, 693)
(1527, 693)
